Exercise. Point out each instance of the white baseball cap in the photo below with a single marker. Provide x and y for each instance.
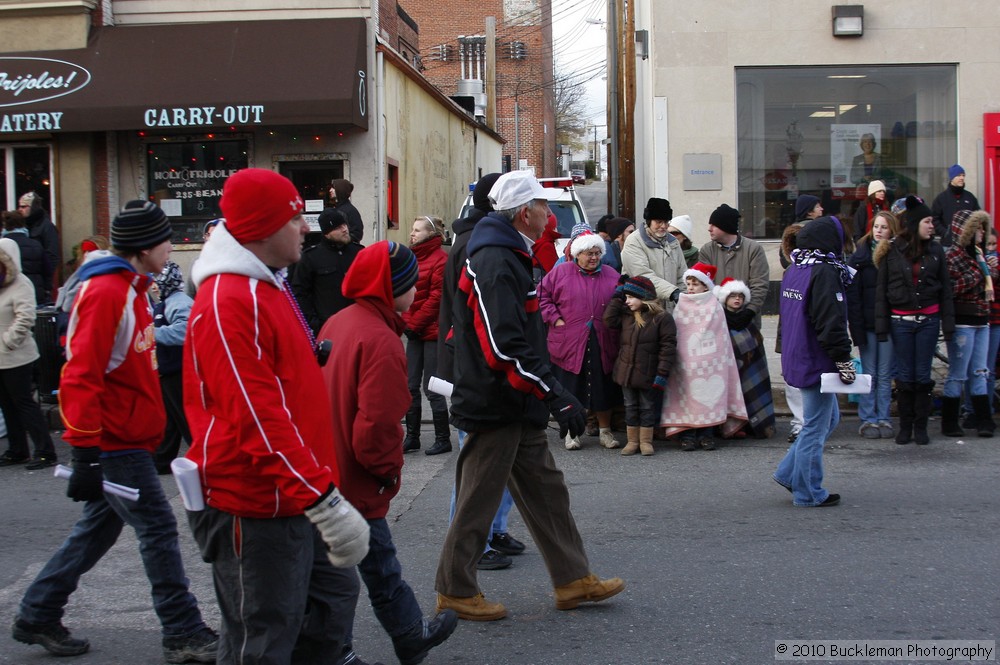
(514, 189)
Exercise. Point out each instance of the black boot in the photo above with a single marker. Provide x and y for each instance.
(904, 403)
(984, 419)
(949, 416)
(442, 435)
(412, 647)
(412, 440)
(923, 400)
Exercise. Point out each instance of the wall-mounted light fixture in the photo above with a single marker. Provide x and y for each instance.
(848, 20)
(642, 44)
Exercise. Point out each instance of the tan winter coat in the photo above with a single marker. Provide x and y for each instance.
(17, 310)
(662, 262)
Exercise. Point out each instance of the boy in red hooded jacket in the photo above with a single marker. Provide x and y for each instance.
(366, 379)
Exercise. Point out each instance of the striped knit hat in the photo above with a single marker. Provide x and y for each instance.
(139, 225)
(640, 287)
(403, 265)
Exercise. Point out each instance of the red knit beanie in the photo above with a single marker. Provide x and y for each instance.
(258, 202)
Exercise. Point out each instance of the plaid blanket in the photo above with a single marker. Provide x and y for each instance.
(755, 380)
(704, 388)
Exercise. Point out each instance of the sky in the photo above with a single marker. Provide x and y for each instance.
(579, 49)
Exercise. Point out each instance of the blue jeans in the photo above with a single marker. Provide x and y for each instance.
(98, 529)
(802, 467)
(640, 407)
(876, 359)
(967, 351)
(914, 345)
(395, 606)
(506, 503)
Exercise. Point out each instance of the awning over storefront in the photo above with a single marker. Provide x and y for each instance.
(192, 76)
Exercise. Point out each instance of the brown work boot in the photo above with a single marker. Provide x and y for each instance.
(646, 440)
(473, 608)
(589, 589)
(632, 443)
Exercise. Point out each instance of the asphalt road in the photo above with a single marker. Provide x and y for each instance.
(594, 198)
(718, 562)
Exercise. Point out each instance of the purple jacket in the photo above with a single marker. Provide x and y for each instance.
(580, 300)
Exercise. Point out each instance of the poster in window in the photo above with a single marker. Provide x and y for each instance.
(187, 176)
(854, 154)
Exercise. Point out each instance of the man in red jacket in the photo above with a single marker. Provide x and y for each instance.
(110, 402)
(366, 379)
(281, 539)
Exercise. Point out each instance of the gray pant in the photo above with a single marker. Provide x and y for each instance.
(521, 454)
(281, 600)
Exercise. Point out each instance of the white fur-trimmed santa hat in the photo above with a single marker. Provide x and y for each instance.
(730, 286)
(586, 241)
(704, 273)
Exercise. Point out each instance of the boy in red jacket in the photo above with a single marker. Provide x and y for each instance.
(111, 405)
(366, 379)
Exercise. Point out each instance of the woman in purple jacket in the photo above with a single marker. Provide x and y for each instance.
(572, 299)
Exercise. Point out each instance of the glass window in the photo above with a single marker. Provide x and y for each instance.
(186, 177)
(829, 131)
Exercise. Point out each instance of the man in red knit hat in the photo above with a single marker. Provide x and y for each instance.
(281, 539)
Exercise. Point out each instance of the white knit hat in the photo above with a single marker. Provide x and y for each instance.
(730, 286)
(684, 224)
(587, 241)
(875, 186)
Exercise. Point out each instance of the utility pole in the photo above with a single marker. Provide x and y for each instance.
(622, 108)
(614, 42)
(491, 72)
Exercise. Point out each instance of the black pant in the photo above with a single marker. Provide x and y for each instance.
(22, 413)
(177, 426)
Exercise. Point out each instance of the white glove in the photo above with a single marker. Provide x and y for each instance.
(342, 528)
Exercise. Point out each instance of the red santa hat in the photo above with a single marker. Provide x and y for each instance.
(702, 272)
(730, 286)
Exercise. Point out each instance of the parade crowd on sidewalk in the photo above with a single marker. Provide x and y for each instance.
(629, 337)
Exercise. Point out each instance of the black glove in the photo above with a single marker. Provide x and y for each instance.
(567, 411)
(622, 278)
(742, 318)
(86, 483)
(410, 334)
(675, 296)
(847, 371)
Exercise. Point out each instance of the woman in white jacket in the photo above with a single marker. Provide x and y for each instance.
(17, 354)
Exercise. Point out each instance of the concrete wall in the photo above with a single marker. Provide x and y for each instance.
(696, 46)
(438, 153)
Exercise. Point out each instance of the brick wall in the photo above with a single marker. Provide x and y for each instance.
(529, 80)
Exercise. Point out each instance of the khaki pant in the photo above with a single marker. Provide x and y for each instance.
(516, 456)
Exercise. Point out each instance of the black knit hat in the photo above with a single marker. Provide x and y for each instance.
(139, 225)
(481, 192)
(658, 209)
(330, 219)
(726, 219)
(916, 210)
(403, 267)
(804, 205)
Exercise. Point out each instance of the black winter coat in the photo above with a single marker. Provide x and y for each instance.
(645, 353)
(35, 265)
(318, 278)
(861, 294)
(895, 288)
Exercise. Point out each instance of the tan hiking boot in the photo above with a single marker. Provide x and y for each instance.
(473, 608)
(589, 589)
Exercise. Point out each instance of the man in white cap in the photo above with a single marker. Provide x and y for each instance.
(503, 395)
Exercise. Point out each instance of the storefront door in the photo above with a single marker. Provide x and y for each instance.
(312, 179)
(23, 169)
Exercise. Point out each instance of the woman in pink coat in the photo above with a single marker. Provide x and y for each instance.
(572, 299)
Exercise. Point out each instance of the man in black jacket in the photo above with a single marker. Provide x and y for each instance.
(35, 262)
(318, 276)
(503, 394)
(340, 195)
(951, 200)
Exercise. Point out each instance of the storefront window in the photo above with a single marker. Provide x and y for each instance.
(829, 131)
(186, 177)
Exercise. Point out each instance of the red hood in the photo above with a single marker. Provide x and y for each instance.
(370, 276)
